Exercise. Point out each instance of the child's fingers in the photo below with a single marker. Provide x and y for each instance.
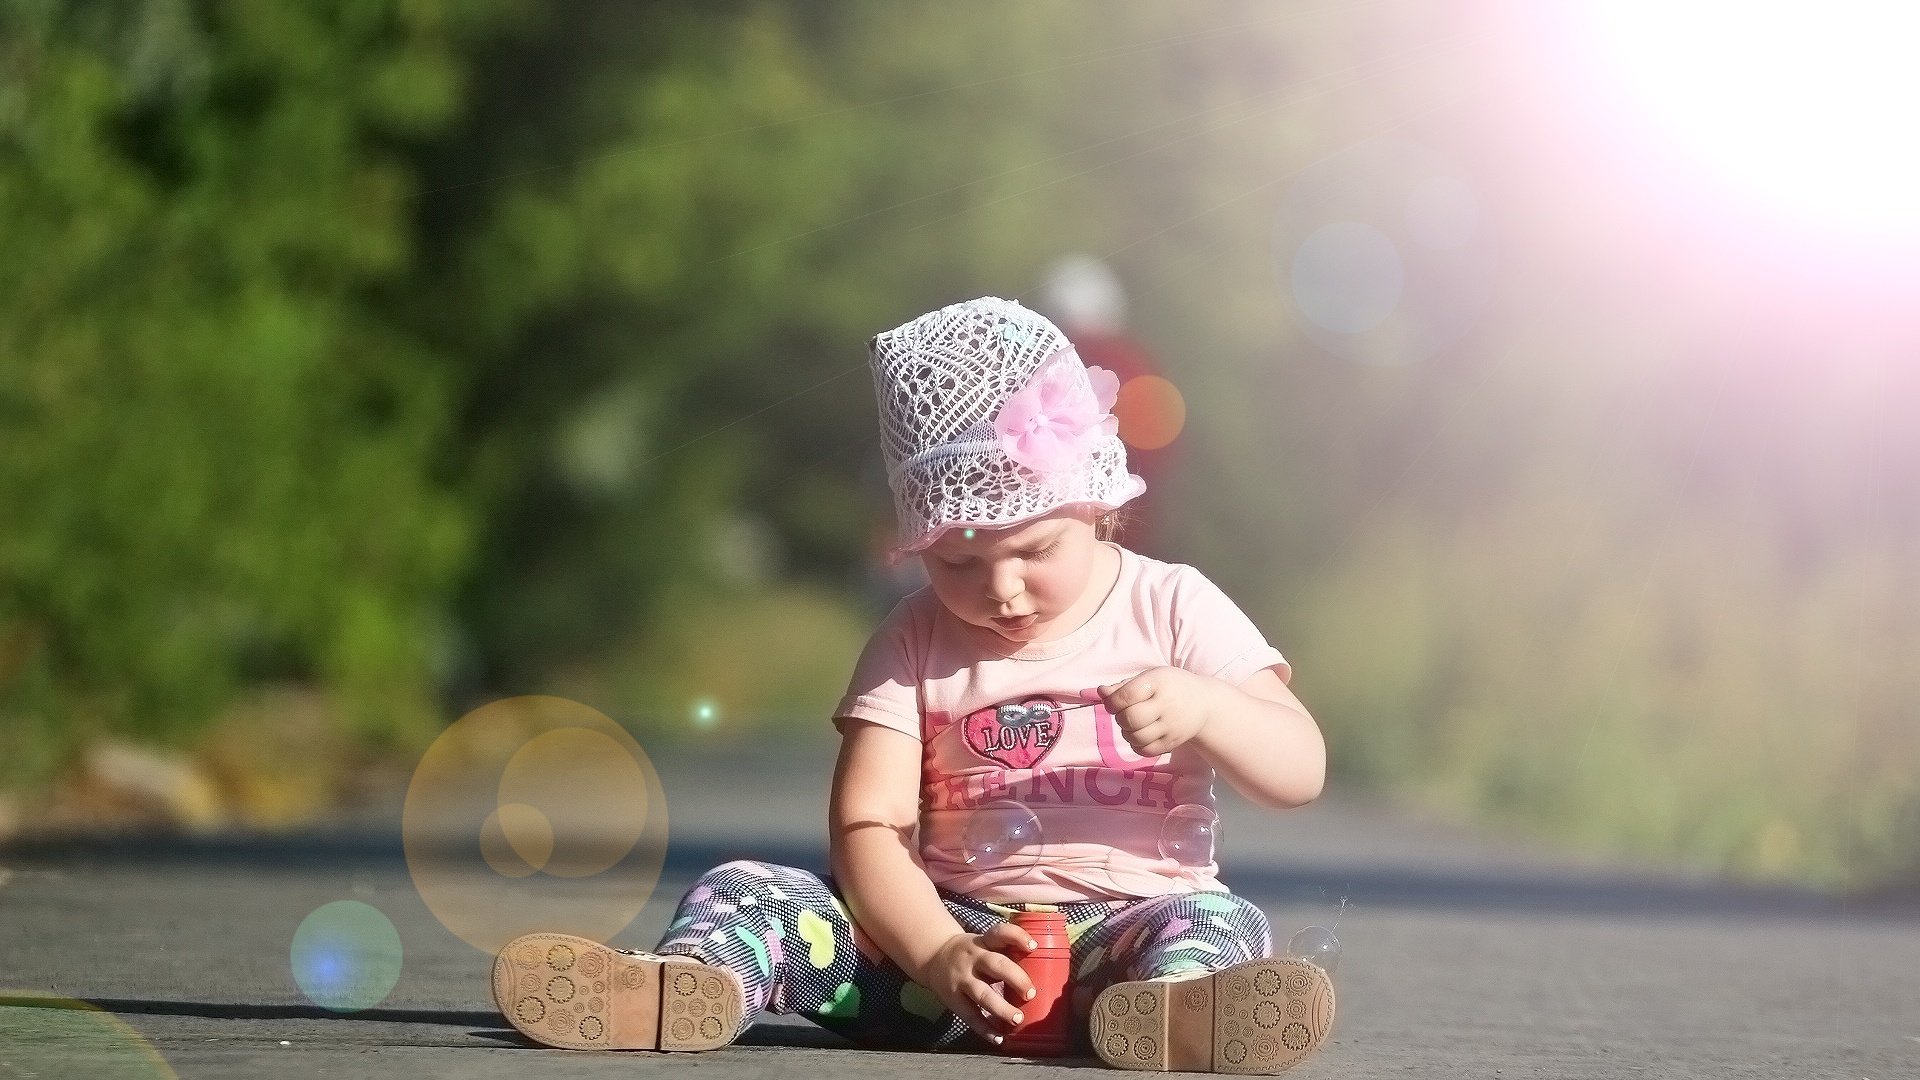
(985, 1026)
(966, 1005)
(1007, 939)
(1126, 693)
(1000, 969)
(994, 1005)
(1139, 738)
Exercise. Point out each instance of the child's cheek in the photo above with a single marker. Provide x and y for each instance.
(1046, 586)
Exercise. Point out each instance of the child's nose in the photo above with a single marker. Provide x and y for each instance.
(1003, 586)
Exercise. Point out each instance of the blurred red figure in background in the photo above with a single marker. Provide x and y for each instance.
(1082, 295)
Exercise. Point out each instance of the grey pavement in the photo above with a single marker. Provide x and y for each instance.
(1465, 955)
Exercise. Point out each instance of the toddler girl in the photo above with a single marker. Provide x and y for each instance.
(1037, 729)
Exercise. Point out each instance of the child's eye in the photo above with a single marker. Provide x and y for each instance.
(1043, 553)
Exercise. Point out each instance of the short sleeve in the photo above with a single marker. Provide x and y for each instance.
(1213, 637)
(885, 688)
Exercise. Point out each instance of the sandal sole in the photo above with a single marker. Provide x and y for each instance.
(1257, 1018)
(566, 991)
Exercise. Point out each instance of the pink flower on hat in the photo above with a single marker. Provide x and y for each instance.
(1054, 422)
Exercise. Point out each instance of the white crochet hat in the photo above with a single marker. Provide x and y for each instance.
(988, 418)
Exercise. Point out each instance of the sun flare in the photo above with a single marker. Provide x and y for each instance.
(1804, 109)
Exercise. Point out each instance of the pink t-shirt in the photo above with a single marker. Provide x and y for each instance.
(1101, 810)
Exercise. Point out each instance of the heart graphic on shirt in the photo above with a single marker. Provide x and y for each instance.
(1016, 737)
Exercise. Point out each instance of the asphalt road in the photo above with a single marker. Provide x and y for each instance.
(1464, 955)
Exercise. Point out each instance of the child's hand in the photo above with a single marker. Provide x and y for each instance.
(963, 971)
(1161, 708)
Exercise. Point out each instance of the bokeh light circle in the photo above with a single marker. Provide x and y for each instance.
(1151, 412)
(1317, 945)
(1382, 252)
(999, 831)
(576, 776)
(45, 1035)
(516, 840)
(1347, 277)
(1190, 835)
(534, 813)
(346, 956)
(705, 713)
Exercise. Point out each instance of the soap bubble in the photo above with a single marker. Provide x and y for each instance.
(1316, 945)
(996, 831)
(1190, 835)
(346, 956)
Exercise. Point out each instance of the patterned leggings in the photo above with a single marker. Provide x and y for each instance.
(785, 932)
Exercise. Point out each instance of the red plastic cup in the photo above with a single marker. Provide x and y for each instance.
(1046, 1020)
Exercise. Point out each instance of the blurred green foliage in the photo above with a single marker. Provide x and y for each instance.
(1644, 591)
(691, 219)
(428, 351)
(219, 448)
(403, 347)
(1678, 695)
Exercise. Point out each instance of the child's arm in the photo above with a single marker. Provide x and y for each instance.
(874, 811)
(1256, 735)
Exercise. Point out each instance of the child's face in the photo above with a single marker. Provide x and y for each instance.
(1016, 581)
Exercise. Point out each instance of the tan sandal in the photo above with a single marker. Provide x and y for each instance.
(1259, 1018)
(577, 994)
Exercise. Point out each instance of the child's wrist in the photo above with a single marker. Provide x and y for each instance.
(1216, 699)
(919, 969)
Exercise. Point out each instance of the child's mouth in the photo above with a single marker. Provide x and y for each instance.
(1020, 623)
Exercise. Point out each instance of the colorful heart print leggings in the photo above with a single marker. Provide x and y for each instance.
(788, 936)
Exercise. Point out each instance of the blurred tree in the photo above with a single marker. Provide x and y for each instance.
(218, 448)
(323, 325)
(667, 230)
